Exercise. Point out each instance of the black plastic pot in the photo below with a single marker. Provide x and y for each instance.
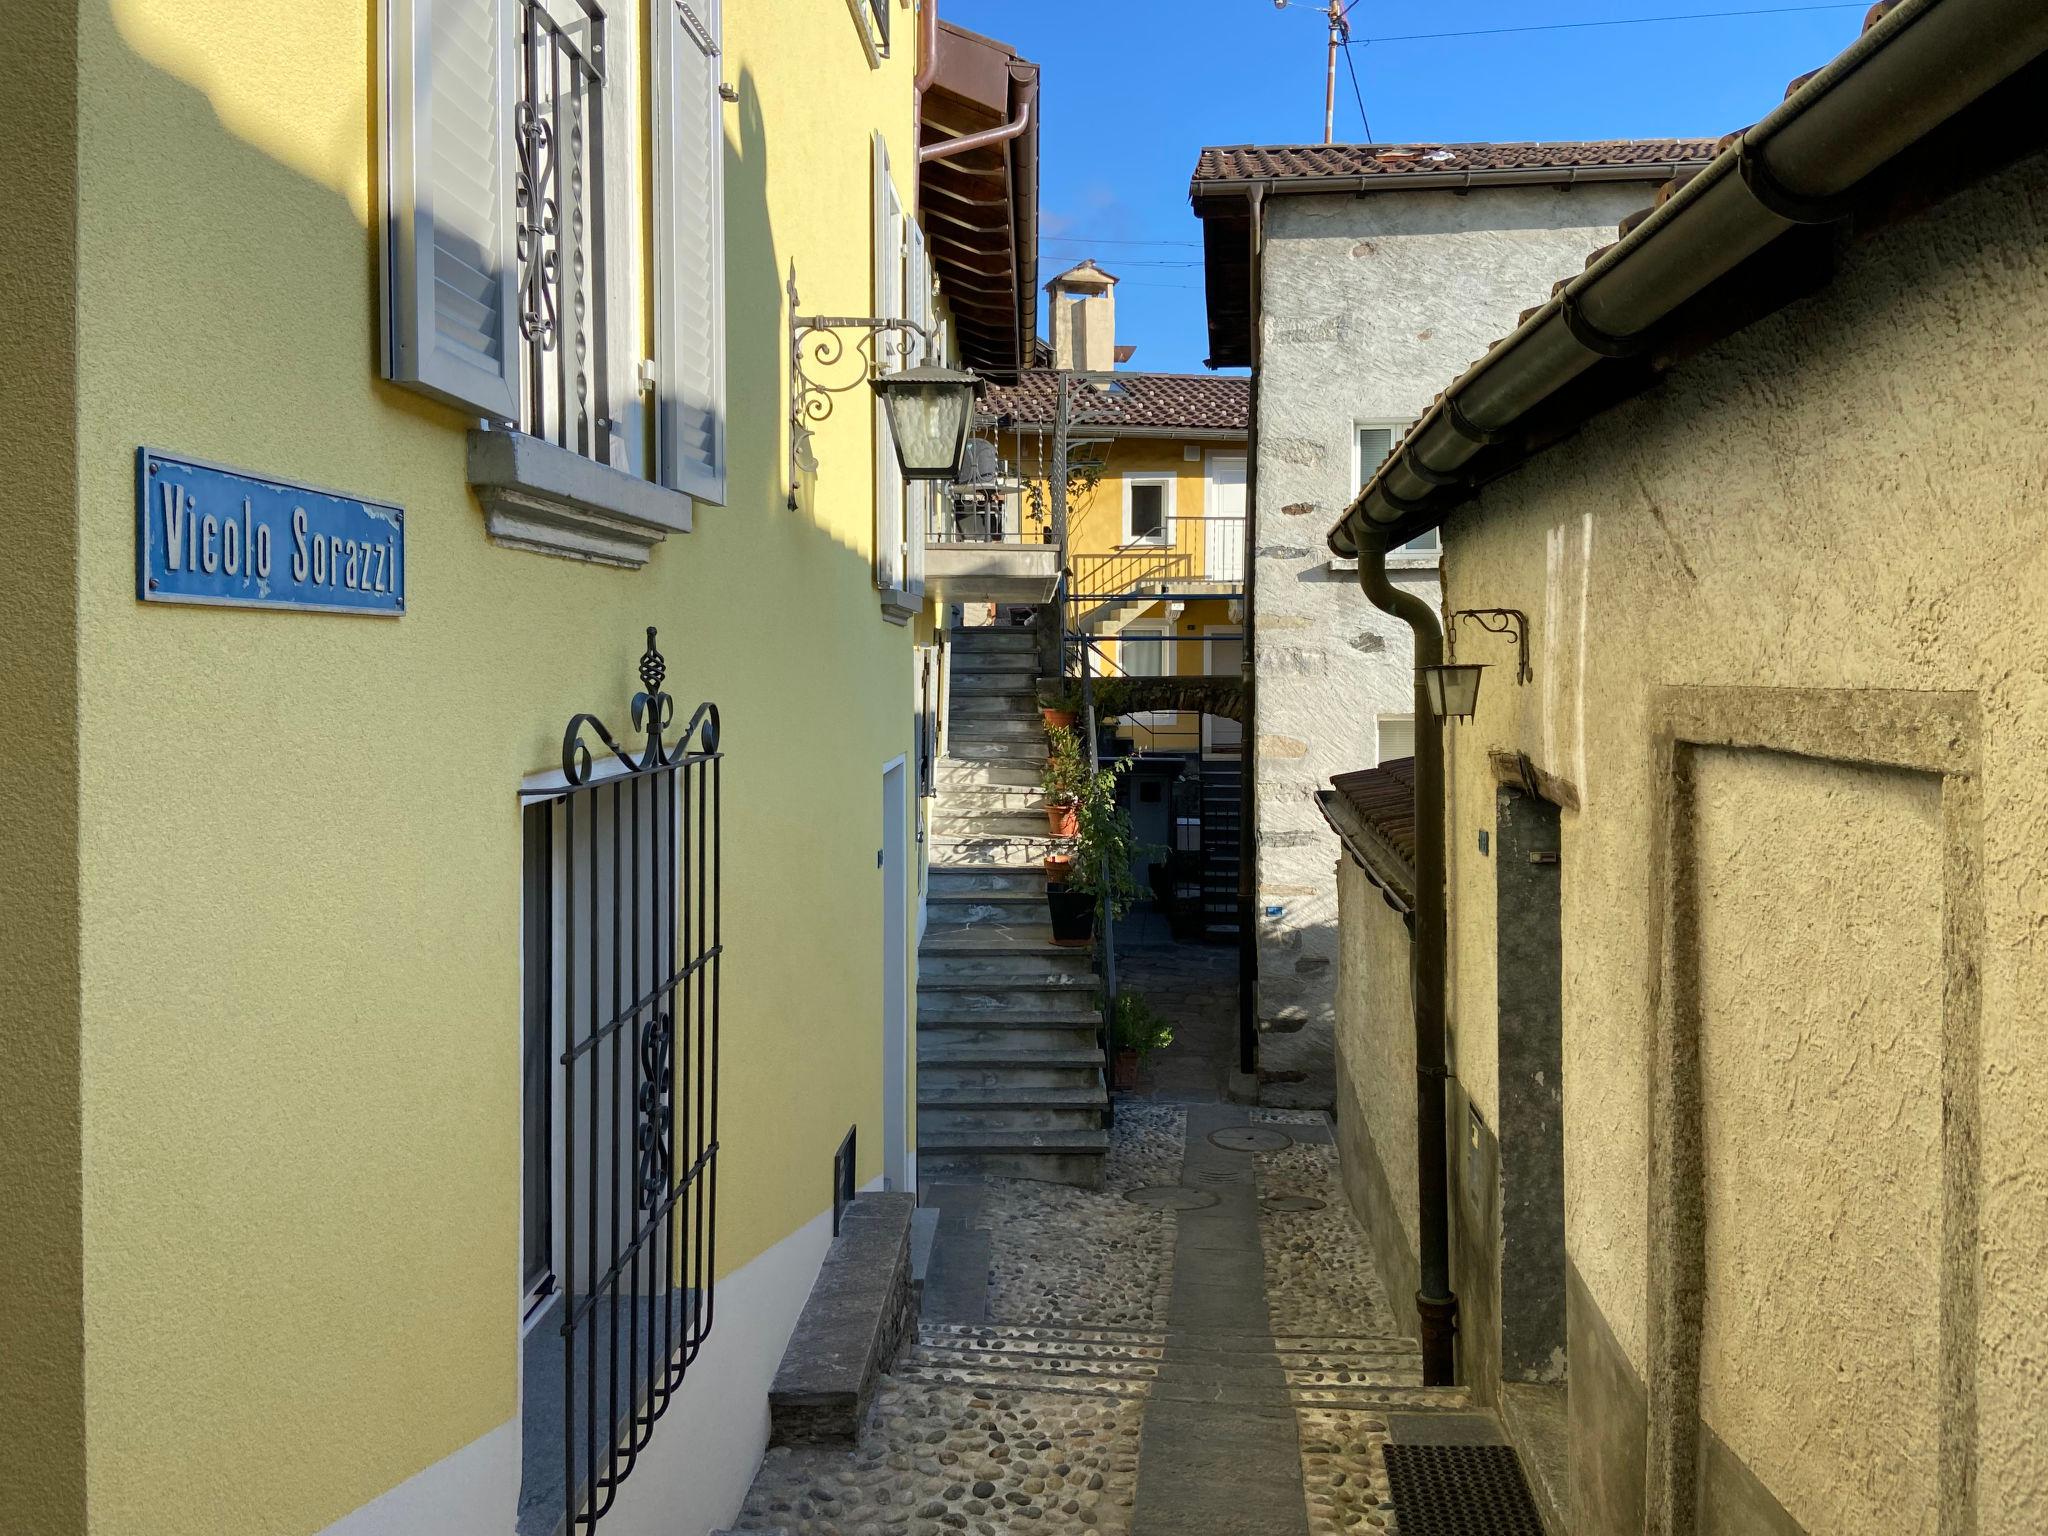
(1073, 914)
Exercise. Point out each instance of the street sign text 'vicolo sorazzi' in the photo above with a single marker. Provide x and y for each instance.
(209, 534)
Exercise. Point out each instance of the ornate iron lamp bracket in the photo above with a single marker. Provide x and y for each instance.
(1495, 621)
(811, 399)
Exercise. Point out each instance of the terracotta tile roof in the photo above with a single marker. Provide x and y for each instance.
(1200, 402)
(1654, 158)
(1373, 812)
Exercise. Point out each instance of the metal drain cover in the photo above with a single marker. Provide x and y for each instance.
(1289, 1203)
(1250, 1138)
(1171, 1197)
(1460, 1490)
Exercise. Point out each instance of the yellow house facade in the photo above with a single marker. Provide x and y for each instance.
(1155, 516)
(307, 870)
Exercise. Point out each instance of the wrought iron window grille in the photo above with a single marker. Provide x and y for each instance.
(559, 131)
(632, 979)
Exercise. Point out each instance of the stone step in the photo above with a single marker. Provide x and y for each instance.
(1058, 1157)
(992, 797)
(1303, 1351)
(1003, 727)
(1022, 1054)
(937, 1046)
(1014, 851)
(1008, 704)
(1042, 979)
(963, 907)
(1008, 638)
(979, 821)
(1004, 773)
(986, 1117)
(957, 882)
(998, 970)
(1010, 753)
(990, 927)
(970, 1011)
(998, 683)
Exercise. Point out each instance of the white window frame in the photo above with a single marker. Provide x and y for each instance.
(902, 291)
(1426, 549)
(1167, 481)
(1379, 730)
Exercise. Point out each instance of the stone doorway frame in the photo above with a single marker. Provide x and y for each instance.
(1933, 733)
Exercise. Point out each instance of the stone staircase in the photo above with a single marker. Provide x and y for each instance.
(1222, 817)
(1009, 1073)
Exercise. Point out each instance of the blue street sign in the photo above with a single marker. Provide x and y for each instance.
(205, 533)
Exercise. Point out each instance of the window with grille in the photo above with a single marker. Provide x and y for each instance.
(1370, 448)
(620, 1123)
(872, 17)
(510, 280)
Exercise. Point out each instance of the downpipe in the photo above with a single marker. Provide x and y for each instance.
(1435, 1304)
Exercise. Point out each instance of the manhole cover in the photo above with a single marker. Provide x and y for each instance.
(1171, 1197)
(1292, 1203)
(1250, 1138)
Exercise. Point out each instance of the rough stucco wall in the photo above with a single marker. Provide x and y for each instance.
(1820, 978)
(42, 1345)
(1847, 495)
(1370, 304)
(1375, 1044)
(301, 878)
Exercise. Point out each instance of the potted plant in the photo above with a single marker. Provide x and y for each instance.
(1099, 877)
(1064, 781)
(1060, 709)
(1059, 867)
(1137, 1030)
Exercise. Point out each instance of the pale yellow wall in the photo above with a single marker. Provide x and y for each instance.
(1176, 730)
(301, 848)
(1839, 497)
(1375, 1056)
(42, 1360)
(1820, 991)
(1095, 517)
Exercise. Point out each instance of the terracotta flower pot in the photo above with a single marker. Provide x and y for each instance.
(1059, 719)
(1124, 1070)
(1058, 867)
(1064, 818)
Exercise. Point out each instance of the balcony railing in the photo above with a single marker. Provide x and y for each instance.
(982, 517)
(1195, 554)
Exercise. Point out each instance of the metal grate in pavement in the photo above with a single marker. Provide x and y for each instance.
(1460, 1490)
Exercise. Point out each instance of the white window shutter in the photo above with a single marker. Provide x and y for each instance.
(917, 277)
(689, 217)
(451, 275)
(889, 498)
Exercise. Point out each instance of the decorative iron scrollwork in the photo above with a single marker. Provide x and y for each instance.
(653, 713)
(810, 399)
(656, 1113)
(533, 192)
(1495, 621)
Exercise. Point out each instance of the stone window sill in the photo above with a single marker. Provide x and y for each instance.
(542, 497)
(1410, 561)
(900, 606)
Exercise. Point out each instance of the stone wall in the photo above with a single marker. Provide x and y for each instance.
(1789, 648)
(1371, 304)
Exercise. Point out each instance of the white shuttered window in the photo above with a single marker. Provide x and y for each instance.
(689, 281)
(450, 267)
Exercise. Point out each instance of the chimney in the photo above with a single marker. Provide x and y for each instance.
(1082, 310)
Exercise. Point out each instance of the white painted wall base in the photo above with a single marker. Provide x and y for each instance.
(695, 1474)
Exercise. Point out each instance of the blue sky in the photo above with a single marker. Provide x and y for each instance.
(1134, 88)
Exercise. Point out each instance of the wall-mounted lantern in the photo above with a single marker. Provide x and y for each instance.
(929, 409)
(1452, 689)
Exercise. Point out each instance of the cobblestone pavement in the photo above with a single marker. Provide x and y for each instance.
(1034, 1419)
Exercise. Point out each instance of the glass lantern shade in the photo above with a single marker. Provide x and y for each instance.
(1453, 690)
(929, 410)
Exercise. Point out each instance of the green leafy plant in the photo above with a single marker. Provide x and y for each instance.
(1138, 1026)
(1065, 777)
(1107, 845)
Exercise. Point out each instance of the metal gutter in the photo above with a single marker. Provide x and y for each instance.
(1918, 65)
(945, 149)
(1457, 181)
